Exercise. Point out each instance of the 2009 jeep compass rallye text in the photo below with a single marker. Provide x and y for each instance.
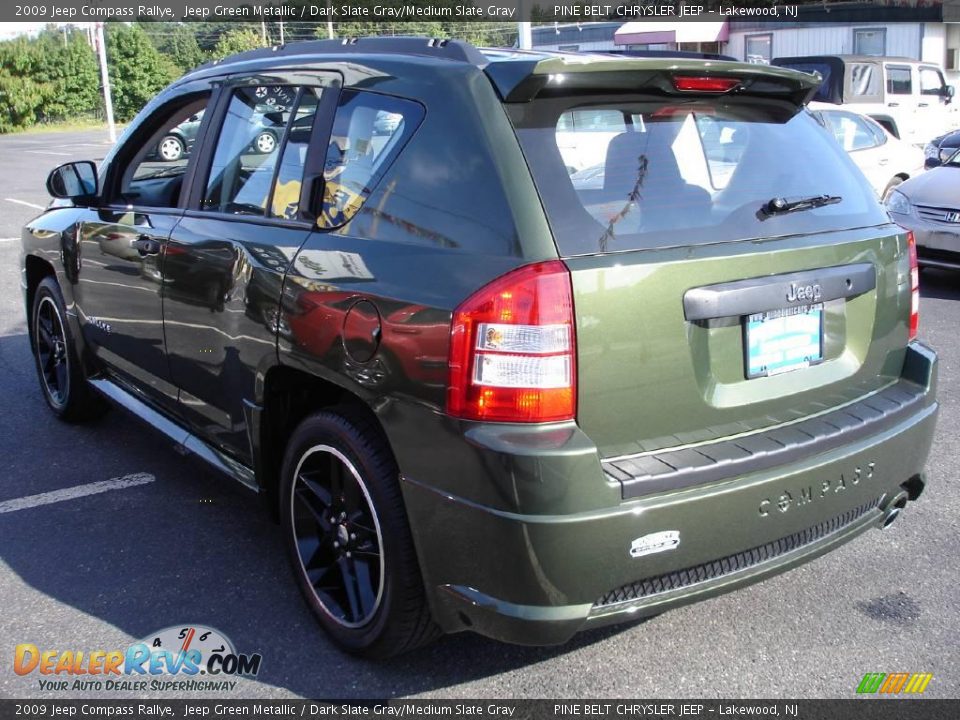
(510, 342)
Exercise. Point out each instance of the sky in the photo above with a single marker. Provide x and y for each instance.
(10, 30)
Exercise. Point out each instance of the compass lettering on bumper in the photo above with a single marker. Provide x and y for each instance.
(827, 488)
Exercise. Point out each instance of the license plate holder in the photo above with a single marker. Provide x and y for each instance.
(781, 340)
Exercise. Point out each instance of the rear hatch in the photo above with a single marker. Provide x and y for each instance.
(732, 269)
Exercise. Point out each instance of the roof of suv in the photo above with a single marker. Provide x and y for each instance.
(517, 74)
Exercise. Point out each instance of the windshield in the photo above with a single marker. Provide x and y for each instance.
(685, 172)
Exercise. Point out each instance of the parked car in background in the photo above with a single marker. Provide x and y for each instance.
(909, 98)
(883, 159)
(178, 142)
(938, 151)
(930, 206)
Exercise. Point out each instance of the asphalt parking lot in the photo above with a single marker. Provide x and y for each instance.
(182, 546)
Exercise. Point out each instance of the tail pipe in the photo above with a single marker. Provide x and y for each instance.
(909, 491)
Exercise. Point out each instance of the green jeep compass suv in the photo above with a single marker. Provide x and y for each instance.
(512, 342)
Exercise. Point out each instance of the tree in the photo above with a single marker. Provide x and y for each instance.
(237, 41)
(137, 70)
(177, 42)
(70, 74)
(184, 49)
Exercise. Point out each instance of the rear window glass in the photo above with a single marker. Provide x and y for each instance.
(689, 172)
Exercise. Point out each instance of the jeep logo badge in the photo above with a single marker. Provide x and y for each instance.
(654, 543)
(801, 293)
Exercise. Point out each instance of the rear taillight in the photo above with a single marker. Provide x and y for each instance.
(914, 285)
(513, 349)
(708, 84)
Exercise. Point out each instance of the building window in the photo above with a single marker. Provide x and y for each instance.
(758, 49)
(870, 41)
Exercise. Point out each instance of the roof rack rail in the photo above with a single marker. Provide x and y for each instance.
(440, 48)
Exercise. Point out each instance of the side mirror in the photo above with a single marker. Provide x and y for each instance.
(75, 181)
(948, 92)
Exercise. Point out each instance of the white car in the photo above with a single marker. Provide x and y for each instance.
(883, 159)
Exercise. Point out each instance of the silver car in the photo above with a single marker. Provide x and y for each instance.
(929, 204)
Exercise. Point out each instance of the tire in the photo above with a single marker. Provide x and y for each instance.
(62, 381)
(171, 148)
(343, 520)
(891, 186)
(265, 143)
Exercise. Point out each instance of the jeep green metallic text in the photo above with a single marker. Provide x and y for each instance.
(512, 342)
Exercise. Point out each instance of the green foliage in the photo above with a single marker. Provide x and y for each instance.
(137, 70)
(177, 42)
(51, 78)
(236, 41)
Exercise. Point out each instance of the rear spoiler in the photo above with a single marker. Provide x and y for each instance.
(522, 80)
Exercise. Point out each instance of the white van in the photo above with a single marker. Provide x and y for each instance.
(908, 97)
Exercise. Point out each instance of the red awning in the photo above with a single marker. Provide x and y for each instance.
(653, 33)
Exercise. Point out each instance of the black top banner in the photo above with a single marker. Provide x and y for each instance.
(83, 11)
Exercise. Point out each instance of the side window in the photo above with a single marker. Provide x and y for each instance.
(153, 175)
(368, 132)
(246, 157)
(931, 81)
(285, 201)
(864, 79)
(899, 81)
(852, 132)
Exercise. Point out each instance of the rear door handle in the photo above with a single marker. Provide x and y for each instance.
(884, 161)
(893, 104)
(146, 245)
(924, 105)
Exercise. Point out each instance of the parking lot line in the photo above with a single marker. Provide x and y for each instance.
(46, 152)
(77, 491)
(9, 239)
(24, 202)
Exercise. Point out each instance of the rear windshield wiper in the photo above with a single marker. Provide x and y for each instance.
(781, 206)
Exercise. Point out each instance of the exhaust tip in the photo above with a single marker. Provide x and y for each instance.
(892, 509)
(890, 517)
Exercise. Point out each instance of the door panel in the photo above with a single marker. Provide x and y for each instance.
(118, 295)
(224, 265)
(222, 281)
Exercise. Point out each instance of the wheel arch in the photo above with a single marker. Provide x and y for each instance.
(35, 269)
(285, 397)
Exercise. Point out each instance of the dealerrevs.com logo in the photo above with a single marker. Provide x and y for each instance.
(179, 658)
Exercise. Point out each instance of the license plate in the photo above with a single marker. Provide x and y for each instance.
(778, 341)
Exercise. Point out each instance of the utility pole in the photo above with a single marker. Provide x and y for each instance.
(329, 22)
(263, 32)
(105, 79)
(281, 34)
(525, 36)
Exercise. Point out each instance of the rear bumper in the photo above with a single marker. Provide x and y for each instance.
(538, 578)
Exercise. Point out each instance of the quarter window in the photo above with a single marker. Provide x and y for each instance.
(244, 168)
(368, 132)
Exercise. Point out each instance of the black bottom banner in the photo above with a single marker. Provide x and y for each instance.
(853, 709)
